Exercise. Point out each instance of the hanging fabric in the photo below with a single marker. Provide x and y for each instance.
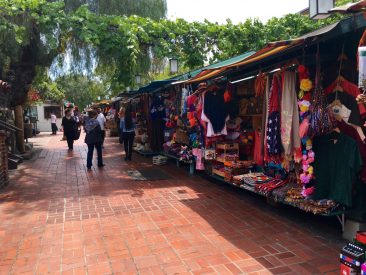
(321, 119)
(265, 120)
(274, 146)
(289, 115)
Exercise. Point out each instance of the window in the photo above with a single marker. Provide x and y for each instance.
(49, 109)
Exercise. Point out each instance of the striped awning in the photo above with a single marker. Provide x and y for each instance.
(269, 50)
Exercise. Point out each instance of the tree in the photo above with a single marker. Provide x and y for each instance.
(35, 32)
(81, 90)
(154, 9)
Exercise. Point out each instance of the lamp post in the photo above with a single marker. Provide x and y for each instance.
(319, 9)
(138, 80)
(173, 62)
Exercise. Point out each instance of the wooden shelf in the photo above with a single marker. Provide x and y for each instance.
(218, 172)
(252, 115)
(227, 146)
(220, 159)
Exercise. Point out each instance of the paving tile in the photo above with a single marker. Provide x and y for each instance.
(60, 219)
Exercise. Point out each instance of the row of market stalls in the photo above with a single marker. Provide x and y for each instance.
(282, 122)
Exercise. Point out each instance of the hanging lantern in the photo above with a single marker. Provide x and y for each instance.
(319, 9)
(173, 62)
(138, 79)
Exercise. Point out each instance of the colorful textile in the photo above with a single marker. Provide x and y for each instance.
(183, 105)
(198, 153)
(216, 110)
(336, 165)
(348, 87)
(273, 133)
(351, 104)
(157, 109)
(274, 146)
(258, 156)
(289, 115)
(210, 131)
(267, 188)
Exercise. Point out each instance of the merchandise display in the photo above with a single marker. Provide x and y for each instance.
(270, 127)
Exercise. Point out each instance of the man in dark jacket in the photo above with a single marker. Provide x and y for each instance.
(93, 139)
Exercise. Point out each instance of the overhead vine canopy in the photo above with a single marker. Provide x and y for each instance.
(34, 32)
(154, 9)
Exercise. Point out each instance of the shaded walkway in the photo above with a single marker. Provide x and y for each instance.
(59, 218)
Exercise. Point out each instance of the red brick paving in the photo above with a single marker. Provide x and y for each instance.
(59, 218)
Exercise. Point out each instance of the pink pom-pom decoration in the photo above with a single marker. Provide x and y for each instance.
(305, 179)
(311, 154)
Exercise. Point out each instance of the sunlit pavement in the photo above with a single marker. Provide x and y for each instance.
(57, 217)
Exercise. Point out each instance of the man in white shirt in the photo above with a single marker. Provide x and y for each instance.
(53, 123)
(102, 120)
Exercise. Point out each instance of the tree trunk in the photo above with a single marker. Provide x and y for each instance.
(19, 122)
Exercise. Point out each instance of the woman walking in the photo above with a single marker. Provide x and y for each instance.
(69, 127)
(127, 129)
(93, 139)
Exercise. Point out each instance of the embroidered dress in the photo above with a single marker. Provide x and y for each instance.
(274, 146)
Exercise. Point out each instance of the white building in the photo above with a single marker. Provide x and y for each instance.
(43, 114)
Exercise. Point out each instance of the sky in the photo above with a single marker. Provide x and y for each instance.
(236, 10)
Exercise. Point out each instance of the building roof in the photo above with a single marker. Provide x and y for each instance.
(278, 48)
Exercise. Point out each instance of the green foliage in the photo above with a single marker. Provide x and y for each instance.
(80, 90)
(154, 9)
(46, 88)
(123, 46)
(343, 2)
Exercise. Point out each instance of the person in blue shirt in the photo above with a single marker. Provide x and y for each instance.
(127, 129)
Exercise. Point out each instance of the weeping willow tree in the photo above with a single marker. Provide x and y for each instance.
(154, 9)
(81, 60)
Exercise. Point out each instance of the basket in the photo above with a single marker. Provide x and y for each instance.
(182, 137)
(159, 160)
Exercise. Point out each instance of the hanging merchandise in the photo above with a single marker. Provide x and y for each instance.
(352, 133)
(215, 113)
(338, 161)
(199, 153)
(362, 66)
(228, 95)
(260, 84)
(215, 110)
(289, 116)
(274, 146)
(157, 114)
(322, 121)
(343, 85)
(307, 175)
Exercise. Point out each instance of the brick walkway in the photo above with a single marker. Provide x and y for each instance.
(59, 218)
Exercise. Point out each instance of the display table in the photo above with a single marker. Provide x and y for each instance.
(191, 165)
(339, 213)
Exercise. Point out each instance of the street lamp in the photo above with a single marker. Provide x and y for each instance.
(173, 62)
(319, 9)
(138, 79)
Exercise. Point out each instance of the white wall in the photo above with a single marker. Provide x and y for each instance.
(44, 125)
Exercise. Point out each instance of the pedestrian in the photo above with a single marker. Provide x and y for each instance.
(127, 130)
(76, 114)
(102, 120)
(93, 139)
(69, 126)
(53, 123)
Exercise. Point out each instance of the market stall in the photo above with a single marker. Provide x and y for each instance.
(283, 122)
